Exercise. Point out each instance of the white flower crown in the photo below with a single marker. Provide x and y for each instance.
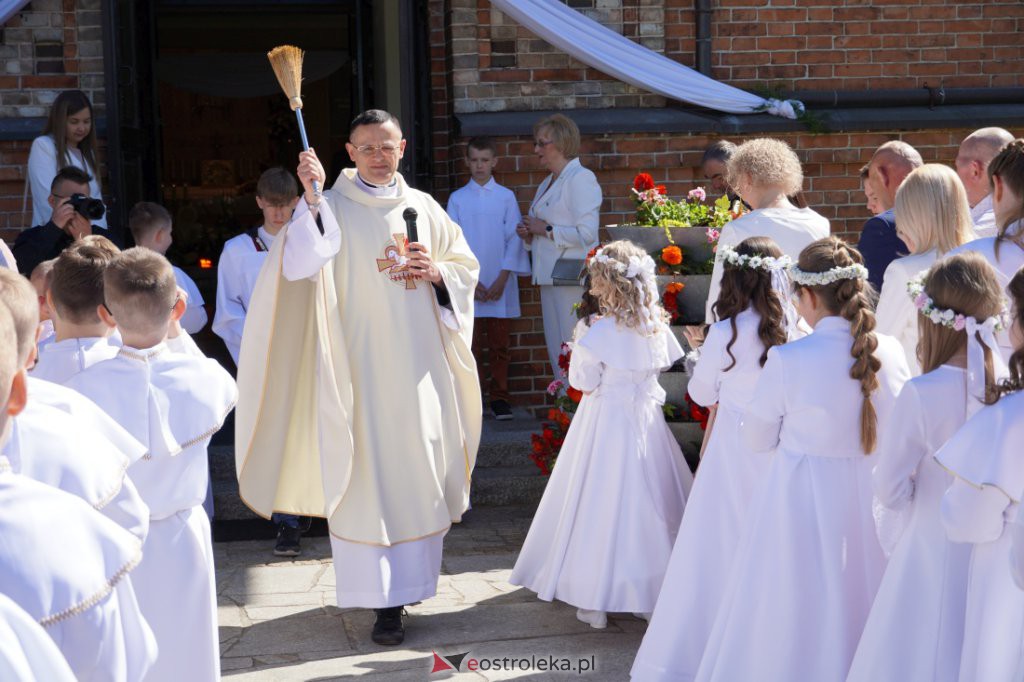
(815, 279)
(945, 317)
(729, 255)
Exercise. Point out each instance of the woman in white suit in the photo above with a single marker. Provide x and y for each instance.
(562, 223)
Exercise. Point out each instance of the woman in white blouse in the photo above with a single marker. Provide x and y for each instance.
(932, 217)
(69, 139)
(562, 223)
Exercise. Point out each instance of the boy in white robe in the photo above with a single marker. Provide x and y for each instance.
(361, 398)
(488, 215)
(173, 403)
(63, 564)
(239, 266)
(151, 228)
(61, 439)
(74, 296)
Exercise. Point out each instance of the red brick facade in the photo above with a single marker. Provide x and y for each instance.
(482, 61)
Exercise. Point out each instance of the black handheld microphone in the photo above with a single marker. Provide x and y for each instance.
(410, 215)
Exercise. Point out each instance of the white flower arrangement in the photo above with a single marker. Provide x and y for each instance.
(943, 316)
(817, 279)
(729, 255)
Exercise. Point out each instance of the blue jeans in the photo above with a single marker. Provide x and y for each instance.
(286, 519)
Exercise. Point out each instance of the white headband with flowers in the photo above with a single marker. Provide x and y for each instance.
(985, 330)
(816, 279)
(729, 255)
(640, 270)
(945, 317)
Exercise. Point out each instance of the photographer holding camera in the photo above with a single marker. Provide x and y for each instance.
(73, 215)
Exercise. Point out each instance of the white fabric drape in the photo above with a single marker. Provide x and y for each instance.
(618, 56)
(8, 8)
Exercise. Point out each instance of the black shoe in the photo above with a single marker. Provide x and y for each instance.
(501, 409)
(389, 629)
(287, 541)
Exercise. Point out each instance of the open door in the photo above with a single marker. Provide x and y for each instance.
(133, 151)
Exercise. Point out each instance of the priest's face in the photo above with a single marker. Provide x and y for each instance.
(376, 150)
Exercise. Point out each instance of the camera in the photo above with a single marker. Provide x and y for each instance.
(93, 209)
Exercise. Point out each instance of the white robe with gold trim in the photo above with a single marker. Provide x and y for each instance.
(70, 569)
(172, 402)
(359, 395)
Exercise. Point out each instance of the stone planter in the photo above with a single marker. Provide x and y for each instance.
(692, 240)
(692, 299)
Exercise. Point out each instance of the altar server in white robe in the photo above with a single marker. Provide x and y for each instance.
(64, 440)
(74, 297)
(756, 314)
(915, 629)
(764, 173)
(488, 215)
(810, 562)
(1005, 251)
(603, 533)
(985, 459)
(27, 653)
(173, 403)
(359, 395)
(244, 255)
(64, 564)
(932, 218)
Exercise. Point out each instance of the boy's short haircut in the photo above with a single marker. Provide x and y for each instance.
(140, 289)
(70, 174)
(8, 361)
(277, 186)
(98, 241)
(42, 275)
(22, 302)
(146, 218)
(482, 143)
(76, 285)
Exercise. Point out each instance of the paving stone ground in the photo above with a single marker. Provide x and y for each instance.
(279, 621)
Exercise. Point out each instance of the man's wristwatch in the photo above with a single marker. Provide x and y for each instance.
(551, 232)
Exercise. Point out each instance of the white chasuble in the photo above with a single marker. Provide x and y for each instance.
(359, 394)
(70, 569)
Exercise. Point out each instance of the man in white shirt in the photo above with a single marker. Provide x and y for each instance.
(488, 214)
(976, 152)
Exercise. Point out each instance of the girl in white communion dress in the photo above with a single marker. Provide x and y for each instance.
(604, 530)
(752, 305)
(915, 630)
(808, 567)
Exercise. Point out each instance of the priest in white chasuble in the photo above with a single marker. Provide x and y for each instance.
(360, 400)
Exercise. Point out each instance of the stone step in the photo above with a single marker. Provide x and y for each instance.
(674, 383)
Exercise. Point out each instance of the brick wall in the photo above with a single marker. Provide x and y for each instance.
(497, 65)
(837, 44)
(50, 46)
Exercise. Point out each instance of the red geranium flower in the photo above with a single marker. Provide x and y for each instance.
(643, 182)
(661, 189)
(574, 394)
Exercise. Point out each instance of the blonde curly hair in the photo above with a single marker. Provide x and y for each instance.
(769, 163)
(632, 300)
